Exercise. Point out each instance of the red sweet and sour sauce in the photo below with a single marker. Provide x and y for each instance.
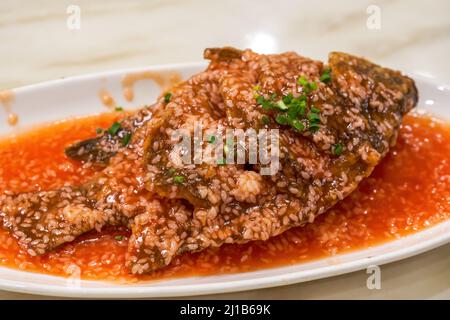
(407, 192)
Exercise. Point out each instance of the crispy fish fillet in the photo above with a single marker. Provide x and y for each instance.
(349, 121)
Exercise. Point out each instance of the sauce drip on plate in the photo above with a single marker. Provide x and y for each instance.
(164, 79)
(6, 97)
(106, 98)
(408, 192)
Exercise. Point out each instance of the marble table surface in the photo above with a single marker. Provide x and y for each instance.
(40, 41)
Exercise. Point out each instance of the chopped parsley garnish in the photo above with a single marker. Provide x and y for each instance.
(315, 110)
(119, 109)
(302, 81)
(265, 120)
(325, 77)
(298, 125)
(212, 139)
(313, 127)
(290, 110)
(167, 97)
(99, 130)
(312, 85)
(178, 179)
(126, 139)
(287, 99)
(313, 117)
(267, 104)
(118, 238)
(171, 171)
(282, 119)
(115, 127)
(337, 149)
(307, 85)
(281, 105)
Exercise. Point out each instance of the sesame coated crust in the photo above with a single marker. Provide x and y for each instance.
(361, 108)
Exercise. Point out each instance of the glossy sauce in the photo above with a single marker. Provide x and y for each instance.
(407, 192)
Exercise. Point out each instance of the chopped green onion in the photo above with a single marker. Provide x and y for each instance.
(265, 120)
(212, 139)
(281, 105)
(302, 81)
(337, 149)
(178, 179)
(167, 97)
(313, 117)
(313, 127)
(115, 127)
(325, 77)
(118, 238)
(288, 98)
(99, 130)
(292, 111)
(266, 104)
(298, 125)
(281, 119)
(126, 139)
(312, 85)
(171, 171)
(119, 108)
(315, 110)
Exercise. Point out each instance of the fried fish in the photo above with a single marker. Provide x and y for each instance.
(335, 123)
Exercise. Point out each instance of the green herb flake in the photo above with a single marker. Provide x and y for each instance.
(118, 238)
(281, 119)
(265, 104)
(337, 149)
(313, 127)
(257, 88)
(167, 97)
(298, 125)
(315, 110)
(325, 77)
(221, 161)
(281, 105)
(313, 117)
(178, 179)
(312, 85)
(99, 130)
(265, 120)
(302, 81)
(126, 139)
(119, 109)
(287, 99)
(115, 127)
(293, 111)
(302, 108)
(171, 171)
(212, 139)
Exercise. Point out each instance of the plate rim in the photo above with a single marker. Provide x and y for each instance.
(155, 291)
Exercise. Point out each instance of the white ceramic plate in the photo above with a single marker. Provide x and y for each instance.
(79, 96)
